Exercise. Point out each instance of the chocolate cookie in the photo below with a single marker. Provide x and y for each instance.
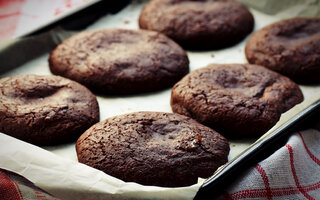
(290, 47)
(45, 110)
(238, 100)
(116, 61)
(205, 24)
(153, 148)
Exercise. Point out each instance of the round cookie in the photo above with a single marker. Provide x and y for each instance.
(238, 100)
(205, 24)
(45, 110)
(290, 47)
(153, 148)
(117, 61)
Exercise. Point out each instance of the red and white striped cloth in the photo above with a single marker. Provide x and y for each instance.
(292, 172)
(15, 187)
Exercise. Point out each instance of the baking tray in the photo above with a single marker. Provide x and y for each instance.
(17, 58)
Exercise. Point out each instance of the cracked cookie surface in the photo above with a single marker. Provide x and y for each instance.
(45, 110)
(290, 47)
(153, 148)
(205, 24)
(235, 99)
(119, 61)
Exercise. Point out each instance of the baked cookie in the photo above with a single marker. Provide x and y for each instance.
(205, 24)
(238, 100)
(45, 110)
(290, 47)
(117, 61)
(153, 148)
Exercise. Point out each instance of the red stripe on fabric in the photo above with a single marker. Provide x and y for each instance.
(8, 189)
(265, 180)
(312, 187)
(227, 196)
(18, 189)
(10, 15)
(255, 193)
(250, 193)
(293, 170)
(68, 3)
(313, 157)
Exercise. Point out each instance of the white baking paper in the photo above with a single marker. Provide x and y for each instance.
(56, 170)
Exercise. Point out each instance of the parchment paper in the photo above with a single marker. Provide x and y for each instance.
(56, 170)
